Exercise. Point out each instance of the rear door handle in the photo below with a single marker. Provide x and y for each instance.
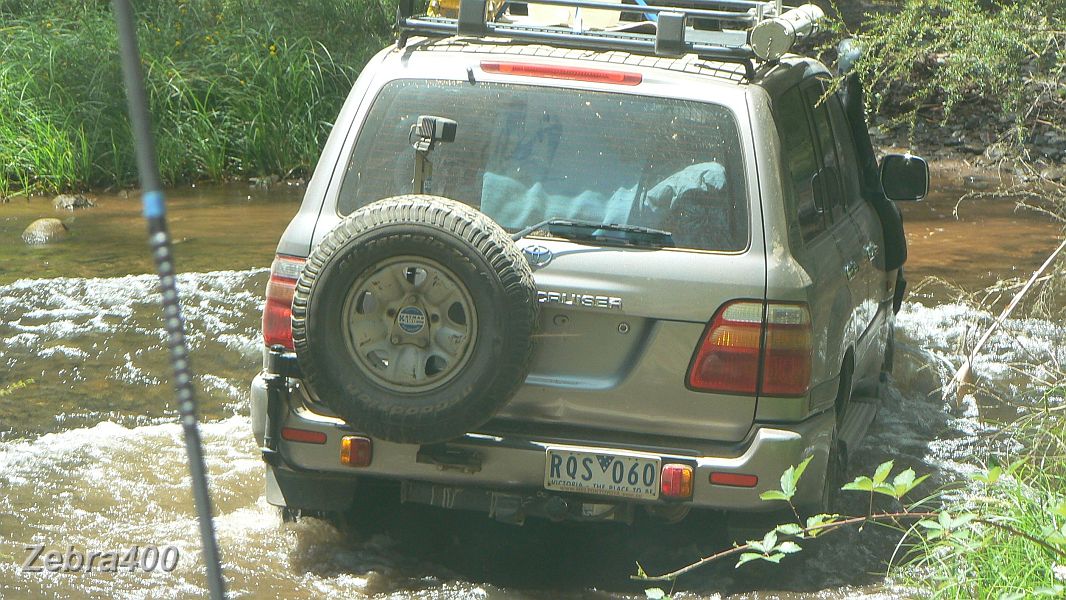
(850, 269)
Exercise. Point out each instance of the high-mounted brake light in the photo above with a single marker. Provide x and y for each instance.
(728, 357)
(277, 315)
(560, 72)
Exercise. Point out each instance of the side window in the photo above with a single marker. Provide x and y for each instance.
(846, 152)
(800, 157)
(829, 174)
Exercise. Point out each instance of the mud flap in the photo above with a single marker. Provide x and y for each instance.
(309, 491)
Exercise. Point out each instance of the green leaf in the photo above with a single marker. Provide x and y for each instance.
(930, 524)
(654, 594)
(771, 495)
(1060, 509)
(818, 521)
(769, 541)
(788, 483)
(1011, 596)
(961, 520)
(990, 476)
(789, 529)
(885, 489)
(903, 478)
(789, 547)
(861, 484)
(881, 474)
(774, 558)
(1054, 591)
(801, 468)
(1055, 538)
(748, 557)
(640, 571)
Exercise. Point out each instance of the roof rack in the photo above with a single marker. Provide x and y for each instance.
(750, 30)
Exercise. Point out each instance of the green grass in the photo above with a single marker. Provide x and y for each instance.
(1026, 557)
(237, 88)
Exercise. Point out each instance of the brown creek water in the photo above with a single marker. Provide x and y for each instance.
(91, 456)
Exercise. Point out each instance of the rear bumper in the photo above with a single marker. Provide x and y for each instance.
(515, 464)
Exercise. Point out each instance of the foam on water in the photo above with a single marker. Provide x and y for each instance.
(95, 348)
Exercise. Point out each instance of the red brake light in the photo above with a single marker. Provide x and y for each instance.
(727, 359)
(560, 72)
(277, 315)
(676, 481)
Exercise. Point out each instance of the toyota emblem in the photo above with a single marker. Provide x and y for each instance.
(537, 256)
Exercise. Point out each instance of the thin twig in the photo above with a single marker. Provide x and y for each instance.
(823, 528)
(835, 525)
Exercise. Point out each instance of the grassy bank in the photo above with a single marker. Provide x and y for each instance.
(237, 87)
(1026, 556)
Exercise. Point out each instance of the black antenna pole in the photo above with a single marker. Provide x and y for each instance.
(159, 240)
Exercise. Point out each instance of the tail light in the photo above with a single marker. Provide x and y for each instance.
(277, 315)
(742, 334)
(356, 451)
(676, 481)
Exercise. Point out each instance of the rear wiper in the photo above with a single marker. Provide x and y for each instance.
(591, 230)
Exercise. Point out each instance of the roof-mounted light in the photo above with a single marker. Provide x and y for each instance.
(771, 39)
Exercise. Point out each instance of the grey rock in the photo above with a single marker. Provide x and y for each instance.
(995, 152)
(44, 231)
(263, 182)
(72, 201)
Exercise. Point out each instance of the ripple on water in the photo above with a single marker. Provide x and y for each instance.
(96, 347)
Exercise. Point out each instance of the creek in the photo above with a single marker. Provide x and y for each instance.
(91, 455)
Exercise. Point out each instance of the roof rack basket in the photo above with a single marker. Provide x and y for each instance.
(751, 29)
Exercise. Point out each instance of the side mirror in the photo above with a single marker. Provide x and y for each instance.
(904, 177)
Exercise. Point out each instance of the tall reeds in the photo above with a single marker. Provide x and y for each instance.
(237, 88)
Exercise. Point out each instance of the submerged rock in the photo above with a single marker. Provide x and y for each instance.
(44, 231)
(72, 201)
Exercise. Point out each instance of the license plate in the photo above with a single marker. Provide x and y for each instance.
(602, 473)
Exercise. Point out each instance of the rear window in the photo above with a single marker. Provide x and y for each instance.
(523, 154)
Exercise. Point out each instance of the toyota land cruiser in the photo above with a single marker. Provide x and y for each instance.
(549, 270)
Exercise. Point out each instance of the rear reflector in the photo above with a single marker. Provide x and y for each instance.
(734, 479)
(305, 436)
(356, 451)
(560, 72)
(277, 315)
(727, 359)
(677, 481)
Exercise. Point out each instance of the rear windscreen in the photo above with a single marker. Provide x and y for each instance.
(524, 154)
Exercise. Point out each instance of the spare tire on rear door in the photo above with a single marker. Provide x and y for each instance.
(413, 319)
